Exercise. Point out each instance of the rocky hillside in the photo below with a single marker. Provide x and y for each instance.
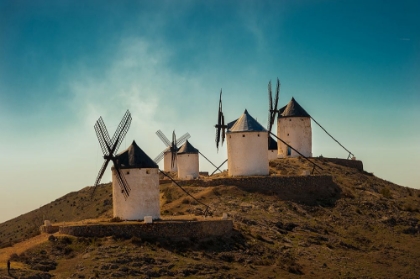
(74, 206)
(371, 231)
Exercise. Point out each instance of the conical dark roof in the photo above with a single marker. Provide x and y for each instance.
(293, 109)
(134, 157)
(272, 144)
(230, 124)
(168, 149)
(187, 148)
(246, 123)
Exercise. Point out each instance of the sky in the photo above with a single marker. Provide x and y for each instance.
(353, 65)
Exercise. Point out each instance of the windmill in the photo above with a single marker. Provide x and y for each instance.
(244, 155)
(135, 166)
(247, 147)
(109, 149)
(171, 147)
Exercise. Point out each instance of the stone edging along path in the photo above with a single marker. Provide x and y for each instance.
(157, 229)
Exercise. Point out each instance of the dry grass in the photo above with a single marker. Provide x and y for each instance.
(20, 248)
(75, 206)
(372, 231)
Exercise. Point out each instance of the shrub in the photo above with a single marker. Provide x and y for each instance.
(52, 238)
(66, 240)
(136, 240)
(410, 191)
(410, 207)
(14, 257)
(216, 192)
(386, 193)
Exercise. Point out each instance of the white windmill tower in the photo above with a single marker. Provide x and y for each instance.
(142, 174)
(188, 164)
(294, 131)
(247, 147)
(247, 144)
(135, 178)
(169, 155)
(294, 127)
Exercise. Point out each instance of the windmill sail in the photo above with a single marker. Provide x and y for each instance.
(220, 126)
(272, 106)
(109, 149)
(171, 146)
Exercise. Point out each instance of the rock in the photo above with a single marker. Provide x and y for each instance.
(287, 246)
(287, 240)
(245, 205)
(134, 273)
(271, 209)
(37, 276)
(109, 266)
(124, 269)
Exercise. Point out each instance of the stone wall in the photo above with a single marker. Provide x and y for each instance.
(160, 229)
(49, 229)
(311, 190)
(345, 162)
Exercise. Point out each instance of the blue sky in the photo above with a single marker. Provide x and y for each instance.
(353, 65)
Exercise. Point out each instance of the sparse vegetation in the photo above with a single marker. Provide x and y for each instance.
(386, 193)
(371, 231)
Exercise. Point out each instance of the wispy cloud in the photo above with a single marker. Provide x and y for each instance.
(137, 78)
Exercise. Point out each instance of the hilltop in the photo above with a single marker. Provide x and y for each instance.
(371, 230)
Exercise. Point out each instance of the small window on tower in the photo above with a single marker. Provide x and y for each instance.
(128, 172)
(243, 136)
(147, 171)
(258, 134)
(287, 134)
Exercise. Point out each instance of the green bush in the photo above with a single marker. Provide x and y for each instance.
(386, 193)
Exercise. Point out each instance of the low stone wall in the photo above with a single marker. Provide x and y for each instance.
(311, 190)
(347, 163)
(49, 229)
(159, 229)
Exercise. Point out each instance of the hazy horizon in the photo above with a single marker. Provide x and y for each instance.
(353, 65)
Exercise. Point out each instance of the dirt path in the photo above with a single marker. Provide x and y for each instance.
(21, 247)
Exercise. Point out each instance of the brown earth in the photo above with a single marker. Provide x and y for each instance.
(372, 231)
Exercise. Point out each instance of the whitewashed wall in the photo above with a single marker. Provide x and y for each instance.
(167, 162)
(272, 154)
(297, 132)
(188, 166)
(144, 195)
(247, 153)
